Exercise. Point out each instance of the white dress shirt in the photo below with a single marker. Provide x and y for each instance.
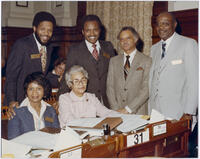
(38, 44)
(168, 41)
(38, 119)
(90, 48)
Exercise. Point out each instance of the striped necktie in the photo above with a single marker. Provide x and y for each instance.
(126, 67)
(95, 52)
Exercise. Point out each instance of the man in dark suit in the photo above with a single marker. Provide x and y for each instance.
(29, 54)
(95, 59)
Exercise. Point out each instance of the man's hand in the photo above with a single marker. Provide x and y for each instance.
(11, 113)
(123, 111)
(55, 105)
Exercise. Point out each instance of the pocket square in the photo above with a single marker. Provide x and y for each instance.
(139, 69)
(106, 55)
(176, 62)
(49, 119)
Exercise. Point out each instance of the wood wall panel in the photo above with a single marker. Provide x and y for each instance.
(63, 38)
(188, 21)
(10, 35)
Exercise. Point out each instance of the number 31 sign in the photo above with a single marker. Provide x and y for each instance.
(138, 138)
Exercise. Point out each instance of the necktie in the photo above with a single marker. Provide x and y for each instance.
(163, 50)
(95, 52)
(43, 57)
(126, 67)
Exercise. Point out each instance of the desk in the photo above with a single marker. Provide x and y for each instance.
(173, 143)
(98, 148)
(170, 141)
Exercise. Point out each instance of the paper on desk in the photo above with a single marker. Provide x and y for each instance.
(10, 148)
(131, 122)
(68, 138)
(37, 139)
(156, 116)
(85, 122)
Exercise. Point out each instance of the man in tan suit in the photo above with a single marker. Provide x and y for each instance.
(128, 75)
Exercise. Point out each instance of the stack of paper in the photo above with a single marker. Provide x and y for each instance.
(37, 139)
(131, 122)
(85, 122)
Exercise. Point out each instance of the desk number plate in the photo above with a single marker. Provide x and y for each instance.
(138, 138)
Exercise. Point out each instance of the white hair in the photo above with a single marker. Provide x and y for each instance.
(72, 70)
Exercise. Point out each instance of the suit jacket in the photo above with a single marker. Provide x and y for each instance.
(23, 121)
(23, 60)
(174, 79)
(53, 79)
(97, 70)
(134, 90)
(72, 107)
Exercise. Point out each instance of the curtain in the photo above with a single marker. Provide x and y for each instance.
(117, 14)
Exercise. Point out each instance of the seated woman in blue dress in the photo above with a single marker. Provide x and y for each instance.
(34, 113)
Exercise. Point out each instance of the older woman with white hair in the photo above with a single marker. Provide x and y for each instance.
(78, 103)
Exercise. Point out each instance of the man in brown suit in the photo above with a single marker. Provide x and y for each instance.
(128, 75)
(95, 59)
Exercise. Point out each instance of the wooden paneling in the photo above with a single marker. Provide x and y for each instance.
(65, 37)
(62, 39)
(187, 21)
(10, 35)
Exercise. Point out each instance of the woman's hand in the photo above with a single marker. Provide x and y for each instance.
(123, 111)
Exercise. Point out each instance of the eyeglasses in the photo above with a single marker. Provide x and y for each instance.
(77, 82)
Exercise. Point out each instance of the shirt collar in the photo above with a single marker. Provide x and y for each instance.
(26, 102)
(168, 41)
(132, 55)
(89, 45)
(37, 42)
(74, 97)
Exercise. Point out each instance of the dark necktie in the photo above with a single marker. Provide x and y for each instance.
(95, 52)
(126, 67)
(163, 50)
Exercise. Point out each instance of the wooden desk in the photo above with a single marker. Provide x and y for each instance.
(98, 148)
(173, 143)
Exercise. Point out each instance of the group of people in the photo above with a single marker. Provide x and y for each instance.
(95, 81)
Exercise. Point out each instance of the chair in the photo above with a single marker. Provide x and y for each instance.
(52, 99)
(4, 122)
(4, 110)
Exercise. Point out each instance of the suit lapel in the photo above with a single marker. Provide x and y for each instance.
(169, 54)
(103, 58)
(157, 56)
(120, 68)
(88, 54)
(27, 117)
(134, 65)
(49, 50)
(34, 50)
